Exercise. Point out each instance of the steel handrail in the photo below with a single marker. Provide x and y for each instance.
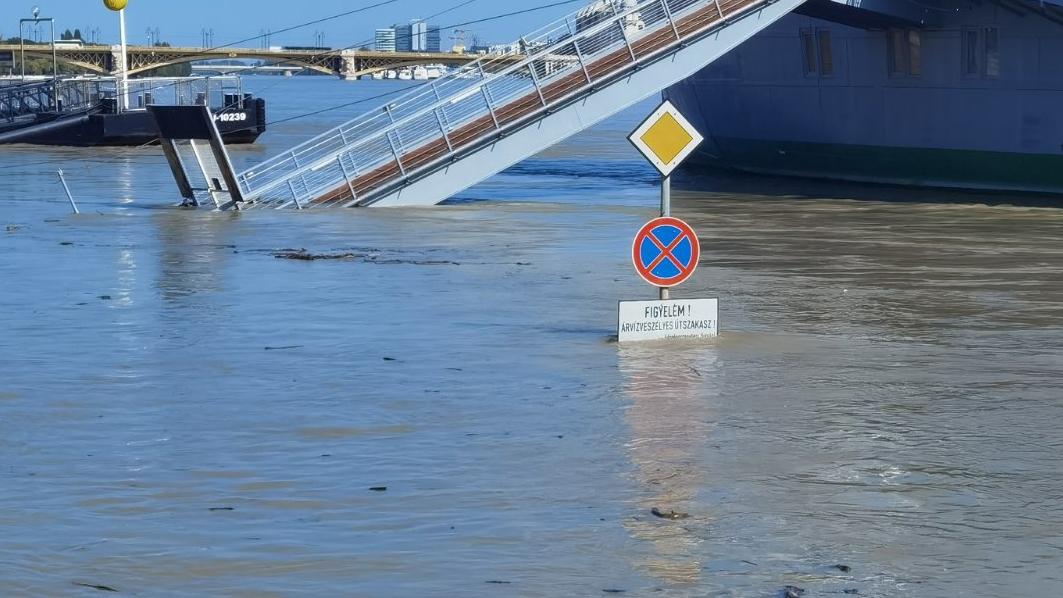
(575, 93)
(477, 64)
(598, 28)
(618, 18)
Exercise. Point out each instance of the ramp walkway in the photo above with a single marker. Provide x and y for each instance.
(445, 136)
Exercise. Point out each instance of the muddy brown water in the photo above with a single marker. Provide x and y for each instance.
(182, 413)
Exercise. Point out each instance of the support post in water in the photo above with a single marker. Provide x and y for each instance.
(66, 188)
(666, 250)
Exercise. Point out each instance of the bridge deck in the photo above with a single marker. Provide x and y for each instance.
(104, 59)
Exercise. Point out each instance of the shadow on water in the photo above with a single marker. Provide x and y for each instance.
(711, 180)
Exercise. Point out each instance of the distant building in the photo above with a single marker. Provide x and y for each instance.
(412, 37)
(385, 40)
(435, 40)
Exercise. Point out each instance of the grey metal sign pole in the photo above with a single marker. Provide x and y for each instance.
(666, 210)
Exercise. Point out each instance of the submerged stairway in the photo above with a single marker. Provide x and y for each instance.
(452, 133)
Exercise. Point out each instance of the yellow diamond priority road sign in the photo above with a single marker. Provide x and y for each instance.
(666, 138)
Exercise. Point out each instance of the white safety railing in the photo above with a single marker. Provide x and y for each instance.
(433, 122)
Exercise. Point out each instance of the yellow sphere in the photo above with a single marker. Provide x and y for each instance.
(115, 4)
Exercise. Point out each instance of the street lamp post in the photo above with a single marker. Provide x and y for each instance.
(123, 94)
(37, 20)
(123, 98)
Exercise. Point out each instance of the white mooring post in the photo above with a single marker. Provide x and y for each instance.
(62, 179)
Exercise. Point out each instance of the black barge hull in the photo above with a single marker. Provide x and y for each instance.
(100, 127)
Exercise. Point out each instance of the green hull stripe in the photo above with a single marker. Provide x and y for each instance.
(963, 169)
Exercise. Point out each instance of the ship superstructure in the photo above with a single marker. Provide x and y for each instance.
(960, 94)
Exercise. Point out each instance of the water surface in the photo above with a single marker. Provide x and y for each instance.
(182, 413)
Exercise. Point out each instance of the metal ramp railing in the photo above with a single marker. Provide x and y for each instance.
(45, 96)
(433, 128)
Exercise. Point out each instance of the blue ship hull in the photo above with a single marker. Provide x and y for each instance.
(967, 95)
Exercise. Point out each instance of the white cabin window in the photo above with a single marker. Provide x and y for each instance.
(895, 52)
(992, 52)
(971, 51)
(904, 48)
(915, 53)
(826, 53)
(981, 52)
(817, 54)
(808, 52)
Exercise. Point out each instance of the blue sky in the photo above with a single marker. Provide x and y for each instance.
(181, 21)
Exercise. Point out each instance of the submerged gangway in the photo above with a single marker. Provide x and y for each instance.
(445, 136)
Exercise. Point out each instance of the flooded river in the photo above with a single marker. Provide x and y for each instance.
(442, 411)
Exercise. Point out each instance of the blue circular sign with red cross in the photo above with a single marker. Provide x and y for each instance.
(666, 252)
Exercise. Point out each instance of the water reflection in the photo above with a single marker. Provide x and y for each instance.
(193, 251)
(672, 388)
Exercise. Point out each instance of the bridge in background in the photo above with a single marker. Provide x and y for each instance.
(232, 69)
(350, 64)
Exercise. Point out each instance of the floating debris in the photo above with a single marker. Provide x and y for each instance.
(94, 586)
(306, 256)
(12, 228)
(379, 489)
(613, 591)
(673, 515)
(286, 348)
(843, 568)
(216, 509)
(497, 582)
(372, 259)
(365, 257)
(104, 297)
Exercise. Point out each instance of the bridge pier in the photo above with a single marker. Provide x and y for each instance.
(349, 64)
(116, 63)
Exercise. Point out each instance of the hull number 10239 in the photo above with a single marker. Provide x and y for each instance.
(231, 117)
